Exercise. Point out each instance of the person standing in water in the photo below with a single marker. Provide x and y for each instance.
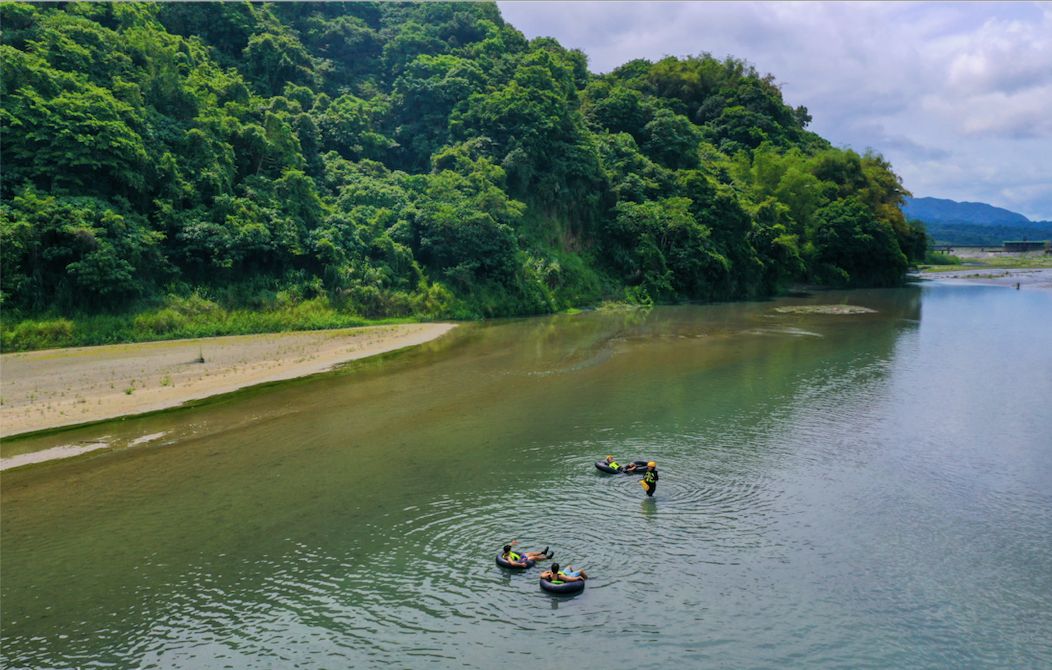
(650, 479)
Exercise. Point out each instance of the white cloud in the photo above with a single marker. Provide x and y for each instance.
(957, 95)
(1024, 114)
(1003, 56)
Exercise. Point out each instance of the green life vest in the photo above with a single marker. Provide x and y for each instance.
(649, 476)
(614, 465)
(513, 557)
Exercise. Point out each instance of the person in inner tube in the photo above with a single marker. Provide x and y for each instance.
(613, 464)
(521, 559)
(650, 478)
(568, 575)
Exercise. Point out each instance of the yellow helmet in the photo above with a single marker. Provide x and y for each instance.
(651, 464)
(609, 458)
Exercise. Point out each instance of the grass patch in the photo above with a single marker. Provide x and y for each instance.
(935, 269)
(941, 258)
(998, 262)
(178, 318)
(1016, 262)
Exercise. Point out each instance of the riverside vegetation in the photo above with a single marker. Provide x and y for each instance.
(180, 169)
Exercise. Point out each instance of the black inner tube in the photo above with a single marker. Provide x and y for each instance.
(564, 587)
(503, 562)
(603, 466)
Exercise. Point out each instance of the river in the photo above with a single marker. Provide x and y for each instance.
(866, 490)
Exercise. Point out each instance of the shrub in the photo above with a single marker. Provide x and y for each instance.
(44, 334)
(163, 322)
(941, 258)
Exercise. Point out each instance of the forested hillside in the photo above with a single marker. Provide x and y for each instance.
(970, 234)
(420, 160)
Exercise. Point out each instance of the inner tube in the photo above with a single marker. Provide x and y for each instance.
(603, 467)
(562, 587)
(502, 562)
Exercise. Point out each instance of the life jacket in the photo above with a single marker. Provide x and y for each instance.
(651, 476)
(513, 557)
(614, 465)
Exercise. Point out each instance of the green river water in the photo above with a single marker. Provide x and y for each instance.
(837, 491)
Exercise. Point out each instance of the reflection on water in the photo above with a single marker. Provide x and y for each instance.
(836, 490)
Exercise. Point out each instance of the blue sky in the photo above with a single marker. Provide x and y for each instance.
(958, 96)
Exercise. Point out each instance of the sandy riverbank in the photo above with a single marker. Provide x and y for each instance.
(60, 387)
(1022, 278)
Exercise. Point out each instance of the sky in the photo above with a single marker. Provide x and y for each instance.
(958, 96)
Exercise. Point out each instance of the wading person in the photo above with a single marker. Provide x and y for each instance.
(650, 479)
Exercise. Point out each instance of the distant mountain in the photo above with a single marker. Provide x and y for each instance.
(941, 210)
(973, 223)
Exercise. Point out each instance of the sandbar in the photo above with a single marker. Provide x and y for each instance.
(1021, 278)
(63, 387)
(824, 309)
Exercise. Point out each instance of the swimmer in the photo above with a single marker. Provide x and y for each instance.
(521, 559)
(557, 576)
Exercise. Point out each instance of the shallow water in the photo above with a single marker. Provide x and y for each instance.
(861, 490)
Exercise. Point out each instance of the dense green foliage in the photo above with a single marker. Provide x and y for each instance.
(193, 316)
(969, 234)
(396, 160)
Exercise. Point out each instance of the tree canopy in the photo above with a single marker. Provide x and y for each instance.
(407, 159)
